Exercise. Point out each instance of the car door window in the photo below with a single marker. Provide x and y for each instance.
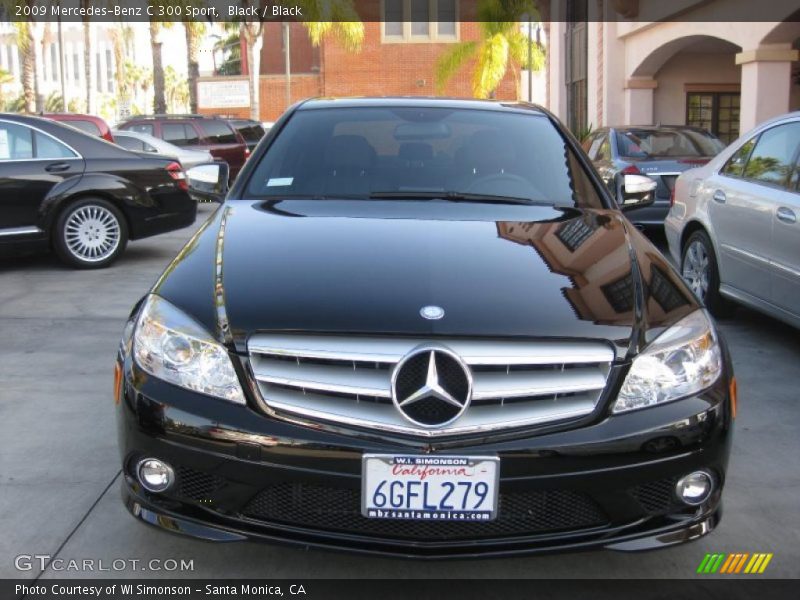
(735, 165)
(47, 147)
(604, 151)
(218, 132)
(772, 159)
(129, 143)
(16, 142)
(599, 149)
(174, 133)
(85, 126)
(141, 128)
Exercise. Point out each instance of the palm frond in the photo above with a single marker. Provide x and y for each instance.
(451, 61)
(338, 18)
(491, 67)
(518, 47)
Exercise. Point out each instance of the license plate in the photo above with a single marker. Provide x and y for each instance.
(435, 488)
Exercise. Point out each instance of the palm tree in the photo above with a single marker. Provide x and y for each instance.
(321, 18)
(194, 32)
(502, 44)
(27, 59)
(337, 18)
(26, 46)
(5, 79)
(156, 28)
(252, 32)
(88, 60)
(176, 90)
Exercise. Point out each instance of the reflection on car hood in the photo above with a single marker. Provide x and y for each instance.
(369, 267)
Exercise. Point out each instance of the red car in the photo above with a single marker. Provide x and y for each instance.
(196, 132)
(86, 123)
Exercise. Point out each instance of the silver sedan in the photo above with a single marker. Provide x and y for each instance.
(142, 142)
(733, 227)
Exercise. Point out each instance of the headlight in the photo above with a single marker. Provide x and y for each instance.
(682, 361)
(171, 345)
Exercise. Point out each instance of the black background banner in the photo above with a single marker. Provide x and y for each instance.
(731, 588)
(641, 11)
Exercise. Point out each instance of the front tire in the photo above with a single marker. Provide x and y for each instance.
(90, 234)
(699, 268)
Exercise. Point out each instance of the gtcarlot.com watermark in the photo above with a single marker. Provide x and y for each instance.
(31, 562)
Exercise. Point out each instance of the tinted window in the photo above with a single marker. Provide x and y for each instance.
(366, 151)
(217, 132)
(772, 158)
(129, 142)
(666, 143)
(141, 128)
(179, 134)
(736, 163)
(85, 126)
(251, 132)
(16, 142)
(47, 147)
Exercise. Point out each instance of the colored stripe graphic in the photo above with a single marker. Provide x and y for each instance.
(741, 562)
(703, 563)
(765, 563)
(734, 563)
(728, 564)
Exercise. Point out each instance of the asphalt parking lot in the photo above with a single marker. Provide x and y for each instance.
(59, 466)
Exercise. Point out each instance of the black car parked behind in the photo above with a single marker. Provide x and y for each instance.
(82, 196)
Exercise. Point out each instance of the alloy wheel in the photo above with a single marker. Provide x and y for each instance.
(92, 233)
(695, 268)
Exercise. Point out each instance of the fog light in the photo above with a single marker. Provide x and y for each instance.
(154, 475)
(695, 488)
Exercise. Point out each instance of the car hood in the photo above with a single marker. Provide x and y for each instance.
(369, 268)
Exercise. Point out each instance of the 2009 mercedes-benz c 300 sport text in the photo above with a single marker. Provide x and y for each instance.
(423, 327)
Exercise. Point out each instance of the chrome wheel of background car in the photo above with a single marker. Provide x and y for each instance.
(92, 233)
(695, 268)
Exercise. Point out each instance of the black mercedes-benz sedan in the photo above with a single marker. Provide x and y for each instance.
(82, 196)
(423, 327)
(660, 152)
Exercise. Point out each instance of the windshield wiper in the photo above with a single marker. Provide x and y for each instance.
(455, 197)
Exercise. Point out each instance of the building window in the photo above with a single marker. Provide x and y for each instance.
(12, 63)
(717, 112)
(620, 294)
(665, 292)
(76, 67)
(576, 59)
(419, 20)
(575, 232)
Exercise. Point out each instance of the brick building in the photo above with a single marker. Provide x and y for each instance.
(397, 57)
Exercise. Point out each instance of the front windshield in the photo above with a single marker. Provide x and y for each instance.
(667, 143)
(410, 153)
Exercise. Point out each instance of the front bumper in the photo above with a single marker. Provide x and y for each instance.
(243, 475)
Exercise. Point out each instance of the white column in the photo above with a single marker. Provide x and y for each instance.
(766, 83)
(557, 74)
(639, 101)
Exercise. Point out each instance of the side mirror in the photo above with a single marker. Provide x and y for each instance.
(208, 182)
(637, 191)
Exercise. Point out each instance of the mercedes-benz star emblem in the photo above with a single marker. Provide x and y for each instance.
(432, 313)
(431, 387)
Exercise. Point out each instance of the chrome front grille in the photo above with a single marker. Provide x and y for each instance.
(348, 379)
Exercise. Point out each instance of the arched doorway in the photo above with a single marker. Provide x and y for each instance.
(693, 80)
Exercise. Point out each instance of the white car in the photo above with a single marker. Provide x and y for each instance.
(733, 227)
(142, 142)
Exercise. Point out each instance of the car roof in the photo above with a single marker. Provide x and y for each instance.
(420, 102)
